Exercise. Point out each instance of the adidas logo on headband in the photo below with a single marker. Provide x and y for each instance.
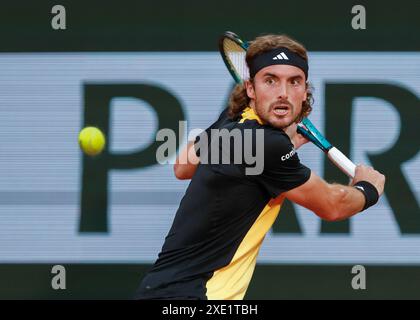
(281, 56)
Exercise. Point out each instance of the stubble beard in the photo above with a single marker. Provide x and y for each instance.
(266, 119)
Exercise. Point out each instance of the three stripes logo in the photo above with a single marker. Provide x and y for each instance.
(281, 56)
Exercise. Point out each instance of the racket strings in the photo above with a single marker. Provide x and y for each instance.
(236, 57)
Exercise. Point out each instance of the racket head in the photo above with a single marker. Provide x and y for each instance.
(233, 52)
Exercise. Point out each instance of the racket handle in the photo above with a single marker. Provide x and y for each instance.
(342, 162)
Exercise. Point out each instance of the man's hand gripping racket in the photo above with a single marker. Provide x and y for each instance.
(233, 51)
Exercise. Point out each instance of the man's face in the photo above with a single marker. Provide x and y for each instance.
(277, 94)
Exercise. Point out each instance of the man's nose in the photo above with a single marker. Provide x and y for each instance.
(282, 91)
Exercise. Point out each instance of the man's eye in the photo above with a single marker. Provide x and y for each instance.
(269, 81)
(295, 82)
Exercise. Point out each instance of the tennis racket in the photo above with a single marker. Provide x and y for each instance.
(233, 51)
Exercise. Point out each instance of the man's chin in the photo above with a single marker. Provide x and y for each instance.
(280, 123)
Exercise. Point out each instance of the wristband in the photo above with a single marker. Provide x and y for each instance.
(369, 191)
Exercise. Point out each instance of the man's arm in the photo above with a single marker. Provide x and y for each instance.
(334, 202)
(186, 162)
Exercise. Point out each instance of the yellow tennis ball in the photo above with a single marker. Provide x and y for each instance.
(91, 141)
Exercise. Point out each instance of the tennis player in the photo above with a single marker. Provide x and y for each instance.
(211, 249)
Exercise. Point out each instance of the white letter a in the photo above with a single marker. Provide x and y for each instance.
(59, 20)
(59, 280)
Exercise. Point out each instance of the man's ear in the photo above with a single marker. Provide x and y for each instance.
(249, 89)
